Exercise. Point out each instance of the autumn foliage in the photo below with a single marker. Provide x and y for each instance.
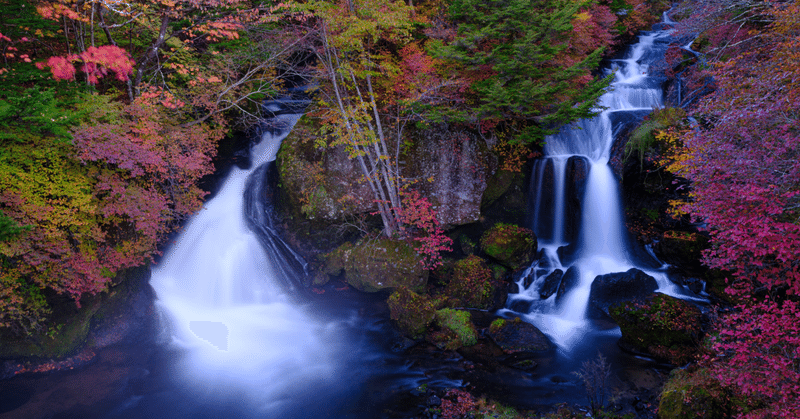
(743, 162)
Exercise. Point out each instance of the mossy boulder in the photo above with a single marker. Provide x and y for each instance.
(69, 328)
(412, 312)
(455, 329)
(518, 336)
(665, 327)
(471, 283)
(682, 249)
(373, 265)
(695, 395)
(321, 183)
(511, 246)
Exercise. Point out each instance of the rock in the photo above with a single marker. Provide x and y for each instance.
(511, 246)
(695, 395)
(323, 183)
(682, 250)
(471, 283)
(456, 166)
(378, 264)
(412, 312)
(664, 327)
(577, 176)
(614, 288)
(517, 336)
(456, 329)
(551, 284)
(568, 281)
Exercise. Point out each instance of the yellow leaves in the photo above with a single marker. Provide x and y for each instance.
(583, 16)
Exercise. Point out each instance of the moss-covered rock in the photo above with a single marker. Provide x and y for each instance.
(695, 395)
(518, 336)
(471, 283)
(323, 183)
(510, 245)
(69, 326)
(682, 249)
(412, 312)
(665, 327)
(373, 265)
(455, 329)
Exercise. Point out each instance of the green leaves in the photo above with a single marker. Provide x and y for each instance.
(518, 56)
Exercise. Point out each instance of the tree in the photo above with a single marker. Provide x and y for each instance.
(743, 163)
(530, 61)
(351, 56)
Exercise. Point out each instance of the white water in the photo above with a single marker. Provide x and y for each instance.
(600, 246)
(218, 294)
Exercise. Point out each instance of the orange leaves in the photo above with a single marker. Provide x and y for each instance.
(55, 11)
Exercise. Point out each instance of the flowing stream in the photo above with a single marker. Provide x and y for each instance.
(576, 204)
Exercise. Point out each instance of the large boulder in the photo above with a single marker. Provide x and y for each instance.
(412, 312)
(373, 265)
(518, 336)
(455, 329)
(693, 395)
(322, 183)
(665, 327)
(511, 246)
(682, 250)
(619, 287)
(456, 167)
(471, 283)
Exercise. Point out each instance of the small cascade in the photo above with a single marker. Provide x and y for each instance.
(576, 205)
(222, 297)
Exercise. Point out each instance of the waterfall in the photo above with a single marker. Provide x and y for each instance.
(221, 293)
(576, 211)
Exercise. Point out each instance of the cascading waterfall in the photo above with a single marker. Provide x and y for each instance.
(574, 177)
(222, 297)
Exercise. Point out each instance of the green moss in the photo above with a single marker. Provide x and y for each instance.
(373, 265)
(412, 312)
(471, 283)
(457, 329)
(510, 245)
(643, 139)
(496, 325)
(664, 326)
(695, 395)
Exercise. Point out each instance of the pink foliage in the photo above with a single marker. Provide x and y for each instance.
(746, 187)
(418, 213)
(96, 62)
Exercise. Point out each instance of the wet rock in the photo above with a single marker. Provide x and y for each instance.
(374, 265)
(615, 288)
(471, 283)
(551, 284)
(511, 246)
(695, 395)
(577, 176)
(518, 336)
(682, 250)
(568, 281)
(455, 330)
(412, 312)
(664, 327)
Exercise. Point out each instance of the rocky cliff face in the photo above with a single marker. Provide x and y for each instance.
(450, 168)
